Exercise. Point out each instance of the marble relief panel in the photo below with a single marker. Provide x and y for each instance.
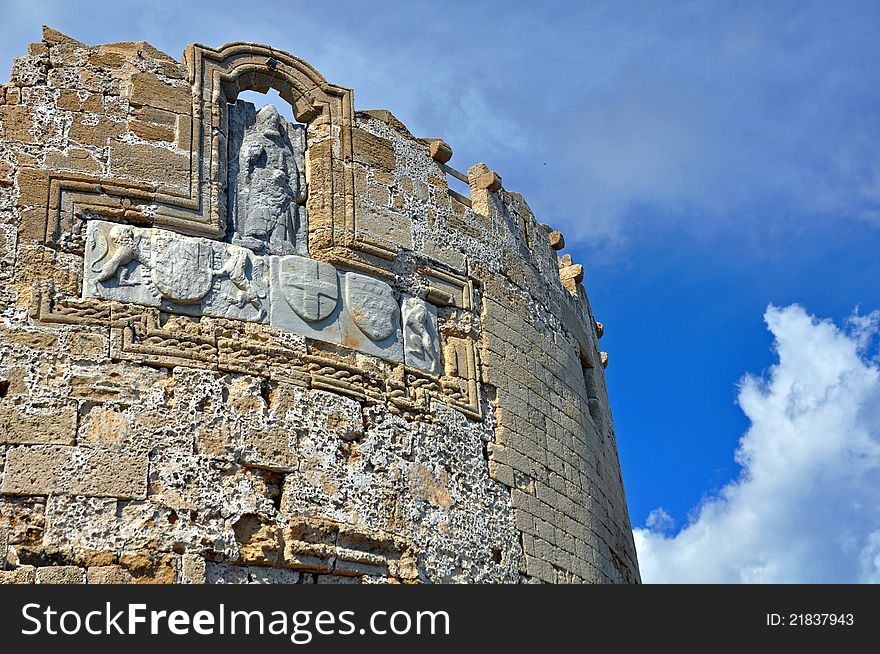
(197, 276)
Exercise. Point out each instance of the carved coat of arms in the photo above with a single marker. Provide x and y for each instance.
(182, 268)
(372, 306)
(310, 287)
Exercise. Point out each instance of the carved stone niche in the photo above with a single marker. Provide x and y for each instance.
(198, 205)
(242, 137)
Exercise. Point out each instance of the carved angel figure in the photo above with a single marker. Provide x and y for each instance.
(418, 341)
(270, 189)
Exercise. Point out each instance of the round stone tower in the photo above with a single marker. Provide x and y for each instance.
(242, 348)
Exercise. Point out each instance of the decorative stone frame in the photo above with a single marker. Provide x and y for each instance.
(217, 77)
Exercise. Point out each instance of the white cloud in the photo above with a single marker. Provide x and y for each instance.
(659, 520)
(806, 506)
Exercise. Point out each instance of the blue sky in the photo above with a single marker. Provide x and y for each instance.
(704, 159)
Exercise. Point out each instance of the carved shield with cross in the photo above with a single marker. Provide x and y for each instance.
(310, 287)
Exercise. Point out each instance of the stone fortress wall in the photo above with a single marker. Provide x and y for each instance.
(236, 349)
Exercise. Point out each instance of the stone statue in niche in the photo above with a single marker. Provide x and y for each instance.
(421, 340)
(270, 191)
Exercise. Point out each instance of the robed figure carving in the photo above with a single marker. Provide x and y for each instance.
(270, 215)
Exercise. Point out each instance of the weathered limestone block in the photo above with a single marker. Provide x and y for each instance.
(18, 124)
(23, 519)
(86, 130)
(108, 574)
(32, 186)
(387, 226)
(112, 382)
(75, 159)
(440, 151)
(448, 256)
(152, 116)
(258, 539)
(573, 272)
(193, 569)
(557, 240)
(148, 89)
(322, 546)
(273, 448)
(61, 574)
(32, 424)
(373, 151)
(150, 163)
(151, 131)
(69, 99)
(88, 345)
(91, 525)
(489, 181)
(191, 482)
(43, 470)
(134, 431)
(220, 573)
(334, 417)
(25, 574)
(571, 276)
(150, 567)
